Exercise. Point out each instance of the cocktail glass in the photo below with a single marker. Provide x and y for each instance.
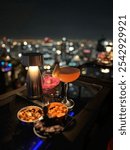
(67, 74)
(48, 86)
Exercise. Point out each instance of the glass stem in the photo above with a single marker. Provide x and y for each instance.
(65, 92)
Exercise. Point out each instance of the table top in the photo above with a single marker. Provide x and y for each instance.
(88, 94)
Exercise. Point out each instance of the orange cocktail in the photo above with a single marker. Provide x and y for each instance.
(68, 74)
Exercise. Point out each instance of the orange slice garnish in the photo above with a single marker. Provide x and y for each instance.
(56, 71)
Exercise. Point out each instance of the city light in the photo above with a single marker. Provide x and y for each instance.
(58, 52)
(7, 57)
(3, 45)
(76, 58)
(8, 50)
(25, 43)
(71, 48)
(105, 70)
(2, 63)
(47, 67)
(14, 43)
(20, 55)
(9, 64)
(26, 68)
(108, 48)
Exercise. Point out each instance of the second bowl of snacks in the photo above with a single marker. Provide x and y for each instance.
(54, 120)
(57, 110)
(30, 114)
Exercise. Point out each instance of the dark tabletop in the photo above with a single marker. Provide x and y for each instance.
(89, 95)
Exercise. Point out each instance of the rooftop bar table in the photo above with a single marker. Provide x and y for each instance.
(93, 100)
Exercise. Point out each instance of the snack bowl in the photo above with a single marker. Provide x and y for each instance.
(57, 110)
(44, 131)
(54, 120)
(30, 114)
(55, 113)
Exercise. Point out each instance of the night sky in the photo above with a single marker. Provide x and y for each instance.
(56, 18)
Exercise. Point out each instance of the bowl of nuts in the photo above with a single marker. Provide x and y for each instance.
(30, 114)
(57, 110)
